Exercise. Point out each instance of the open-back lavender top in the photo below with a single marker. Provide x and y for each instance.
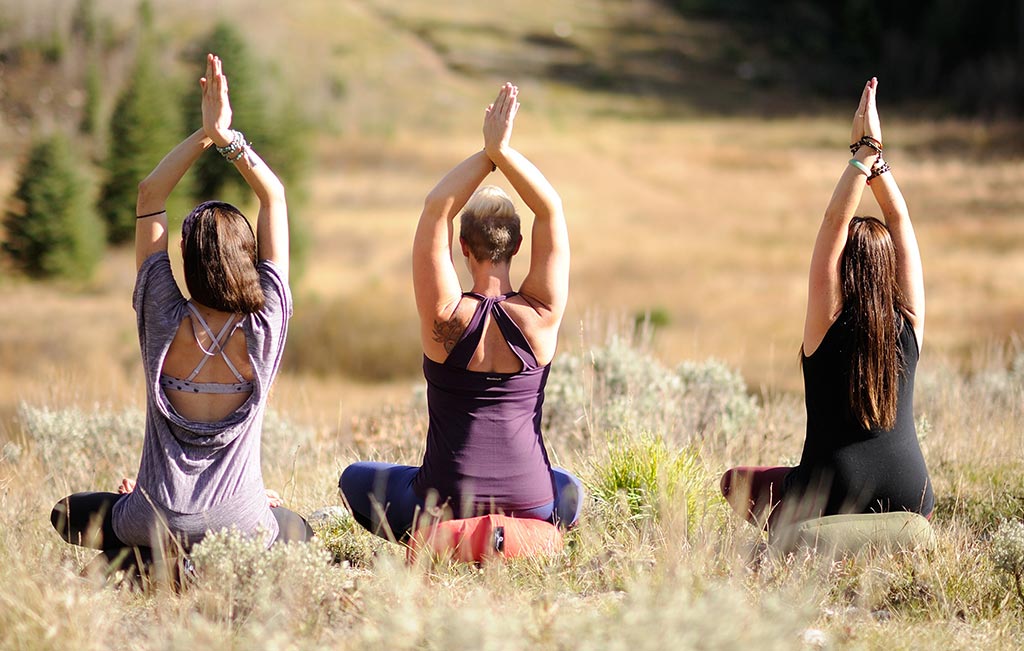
(196, 477)
(484, 448)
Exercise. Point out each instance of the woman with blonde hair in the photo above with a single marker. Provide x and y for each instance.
(209, 360)
(862, 338)
(486, 352)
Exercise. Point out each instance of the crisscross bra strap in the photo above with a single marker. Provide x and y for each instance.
(218, 342)
(462, 353)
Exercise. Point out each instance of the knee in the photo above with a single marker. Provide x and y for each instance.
(348, 480)
(59, 518)
(725, 484)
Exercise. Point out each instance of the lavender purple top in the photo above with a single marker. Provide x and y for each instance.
(484, 444)
(194, 476)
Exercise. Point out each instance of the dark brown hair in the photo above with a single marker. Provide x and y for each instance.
(220, 258)
(875, 305)
(490, 225)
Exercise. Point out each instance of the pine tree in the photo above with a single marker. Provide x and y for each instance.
(52, 229)
(248, 108)
(273, 124)
(143, 128)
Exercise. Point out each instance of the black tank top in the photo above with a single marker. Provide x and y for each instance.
(844, 467)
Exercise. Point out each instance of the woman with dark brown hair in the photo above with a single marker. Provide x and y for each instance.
(209, 361)
(862, 338)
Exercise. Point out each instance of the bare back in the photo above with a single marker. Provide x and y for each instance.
(493, 354)
(184, 355)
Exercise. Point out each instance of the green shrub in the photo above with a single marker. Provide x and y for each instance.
(345, 539)
(620, 385)
(52, 230)
(647, 477)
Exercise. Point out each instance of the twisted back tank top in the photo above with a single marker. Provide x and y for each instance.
(484, 447)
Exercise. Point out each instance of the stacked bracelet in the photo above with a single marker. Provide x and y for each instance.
(867, 141)
(879, 168)
(234, 149)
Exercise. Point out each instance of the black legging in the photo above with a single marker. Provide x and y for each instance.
(84, 519)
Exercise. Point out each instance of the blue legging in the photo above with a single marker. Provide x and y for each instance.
(372, 486)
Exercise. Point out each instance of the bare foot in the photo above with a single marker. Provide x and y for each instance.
(274, 498)
(126, 486)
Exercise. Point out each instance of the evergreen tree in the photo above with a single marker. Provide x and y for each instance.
(272, 123)
(248, 108)
(143, 128)
(52, 229)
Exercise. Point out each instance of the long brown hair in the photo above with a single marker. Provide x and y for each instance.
(220, 258)
(874, 303)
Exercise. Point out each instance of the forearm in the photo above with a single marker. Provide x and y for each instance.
(257, 174)
(157, 186)
(531, 185)
(908, 255)
(850, 188)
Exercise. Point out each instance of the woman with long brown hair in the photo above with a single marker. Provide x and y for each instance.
(862, 338)
(209, 360)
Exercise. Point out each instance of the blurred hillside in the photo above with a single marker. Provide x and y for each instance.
(694, 150)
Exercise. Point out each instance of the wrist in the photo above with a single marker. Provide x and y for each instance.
(221, 138)
(866, 155)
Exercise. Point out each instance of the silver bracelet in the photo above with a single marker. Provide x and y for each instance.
(237, 143)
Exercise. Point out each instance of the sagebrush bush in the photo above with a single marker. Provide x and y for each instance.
(239, 578)
(619, 386)
(1007, 552)
(84, 450)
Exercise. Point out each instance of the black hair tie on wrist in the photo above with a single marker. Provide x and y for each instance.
(152, 214)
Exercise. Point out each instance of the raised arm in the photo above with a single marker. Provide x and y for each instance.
(824, 294)
(435, 280)
(151, 205)
(272, 221)
(909, 272)
(547, 282)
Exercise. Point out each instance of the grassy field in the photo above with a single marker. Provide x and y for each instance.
(691, 194)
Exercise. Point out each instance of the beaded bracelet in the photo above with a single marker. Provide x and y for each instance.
(860, 166)
(880, 167)
(237, 143)
(867, 141)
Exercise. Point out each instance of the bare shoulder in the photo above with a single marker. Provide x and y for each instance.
(539, 325)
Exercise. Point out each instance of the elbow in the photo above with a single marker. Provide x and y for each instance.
(148, 193)
(436, 203)
(273, 194)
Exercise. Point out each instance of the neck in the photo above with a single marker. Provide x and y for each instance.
(491, 280)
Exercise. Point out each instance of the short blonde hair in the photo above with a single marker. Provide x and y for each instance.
(490, 225)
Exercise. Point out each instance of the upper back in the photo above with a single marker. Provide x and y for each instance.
(493, 352)
(826, 383)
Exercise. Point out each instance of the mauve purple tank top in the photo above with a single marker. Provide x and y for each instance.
(484, 445)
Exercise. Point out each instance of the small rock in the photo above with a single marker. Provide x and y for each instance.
(814, 637)
(327, 513)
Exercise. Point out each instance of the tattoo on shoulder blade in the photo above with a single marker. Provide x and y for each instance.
(447, 333)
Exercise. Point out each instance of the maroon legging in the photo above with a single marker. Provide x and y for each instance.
(755, 492)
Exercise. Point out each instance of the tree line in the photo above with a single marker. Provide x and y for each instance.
(59, 219)
(966, 57)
